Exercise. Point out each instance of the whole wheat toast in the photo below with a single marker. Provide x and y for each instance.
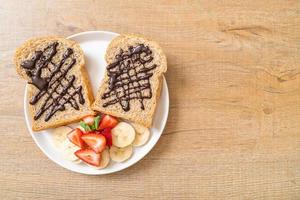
(133, 79)
(59, 92)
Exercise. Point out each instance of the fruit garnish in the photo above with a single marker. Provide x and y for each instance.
(85, 126)
(89, 156)
(108, 122)
(105, 158)
(123, 134)
(96, 122)
(107, 134)
(142, 134)
(75, 137)
(120, 154)
(89, 120)
(97, 142)
(90, 123)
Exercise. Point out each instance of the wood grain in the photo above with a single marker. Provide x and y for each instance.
(234, 79)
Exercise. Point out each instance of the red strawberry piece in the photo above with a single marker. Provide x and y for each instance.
(95, 141)
(89, 120)
(108, 122)
(107, 134)
(89, 156)
(75, 137)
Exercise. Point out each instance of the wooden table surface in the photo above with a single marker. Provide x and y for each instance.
(233, 130)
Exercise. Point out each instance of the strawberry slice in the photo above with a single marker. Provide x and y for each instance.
(89, 156)
(75, 137)
(96, 141)
(108, 122)
(89, 120)
(107, 134)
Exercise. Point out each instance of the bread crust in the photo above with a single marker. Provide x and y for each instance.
(146, 118)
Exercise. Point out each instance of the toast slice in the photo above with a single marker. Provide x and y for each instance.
(59, 91)
(133, 79)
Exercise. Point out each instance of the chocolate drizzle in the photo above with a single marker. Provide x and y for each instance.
(57, 86)
(129, 77)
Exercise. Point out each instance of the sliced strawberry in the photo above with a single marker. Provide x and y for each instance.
(75, 137)
(108, 122)
(107, 134)
(89, 156)
(96, 141)
(89, 120)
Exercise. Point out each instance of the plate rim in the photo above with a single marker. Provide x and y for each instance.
(99, 172)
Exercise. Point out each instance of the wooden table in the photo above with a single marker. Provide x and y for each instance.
(234, 79)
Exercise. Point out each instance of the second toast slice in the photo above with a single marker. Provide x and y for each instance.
(133, 79)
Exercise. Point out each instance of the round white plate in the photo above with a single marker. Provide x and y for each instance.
(94, 45)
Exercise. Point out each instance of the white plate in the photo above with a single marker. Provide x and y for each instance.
(94, 45)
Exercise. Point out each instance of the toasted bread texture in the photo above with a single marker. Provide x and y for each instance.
(73, 109)
(130, 104)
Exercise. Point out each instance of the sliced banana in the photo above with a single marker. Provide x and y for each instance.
(120, 154)
(142, 135)
(105, 158)
(60, 134)
(123, 134)
(68, 149)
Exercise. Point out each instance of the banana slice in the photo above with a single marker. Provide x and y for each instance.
(68, 149)
(120, 154)
(105, 158)
(59, 135)
(123, 134)
(142, 135)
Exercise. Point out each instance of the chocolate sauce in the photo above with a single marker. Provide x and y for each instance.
(58, 86)
(129, 77)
